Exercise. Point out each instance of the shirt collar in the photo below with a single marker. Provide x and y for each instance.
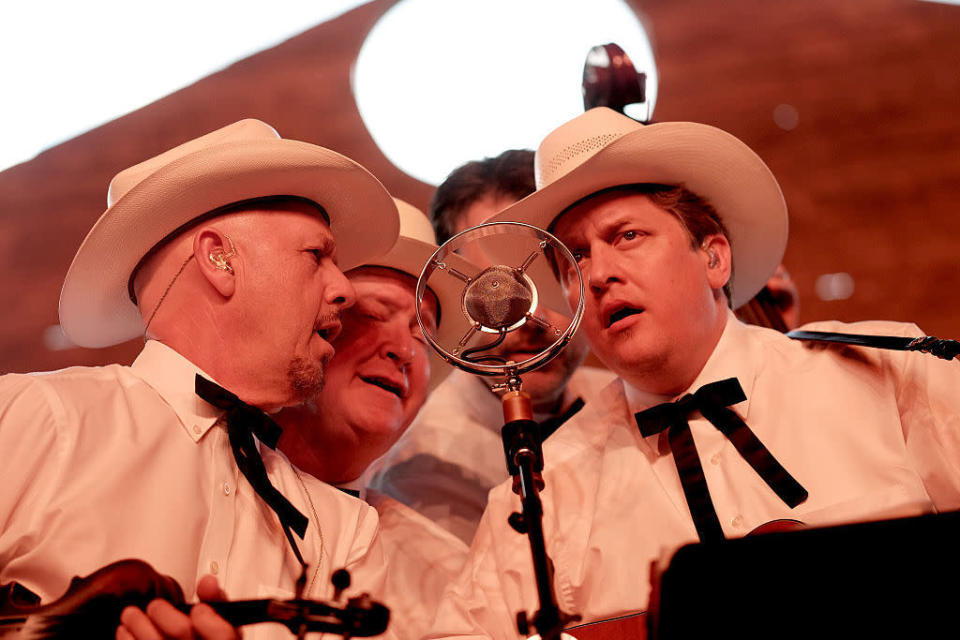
(732, 357)
(172, 376)
(735, 356)
(357, 486)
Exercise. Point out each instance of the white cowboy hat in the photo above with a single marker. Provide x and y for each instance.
(602, 148)
(409, 254)
(241, 161)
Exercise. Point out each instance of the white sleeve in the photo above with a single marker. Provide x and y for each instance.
(928, 395)
(31, 417)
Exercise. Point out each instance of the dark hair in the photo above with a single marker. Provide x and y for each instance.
(697, 216)
(509, 174)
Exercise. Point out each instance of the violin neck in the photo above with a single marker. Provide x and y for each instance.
(239, 612)
(10, 627)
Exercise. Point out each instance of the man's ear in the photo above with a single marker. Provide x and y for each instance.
(717, 259)
(216, 256)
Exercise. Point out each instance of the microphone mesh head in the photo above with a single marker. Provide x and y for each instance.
(498, 297)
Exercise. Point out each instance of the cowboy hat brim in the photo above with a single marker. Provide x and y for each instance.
(95, 307)
(705, 160)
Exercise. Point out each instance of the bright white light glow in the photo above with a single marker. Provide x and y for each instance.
(834, 286)
(71, 66)
(439, 83)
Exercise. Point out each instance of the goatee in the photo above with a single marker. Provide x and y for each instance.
(306, 379)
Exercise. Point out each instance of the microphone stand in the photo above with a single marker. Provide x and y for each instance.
(522, 446)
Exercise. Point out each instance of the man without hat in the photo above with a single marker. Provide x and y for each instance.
(376, 382)
(672, 224)
(225, 254)
(452, 455)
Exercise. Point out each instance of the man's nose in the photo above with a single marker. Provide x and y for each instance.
(398, 344)
(339, 291)
(602, 269)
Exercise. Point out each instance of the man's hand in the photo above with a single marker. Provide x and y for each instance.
(163, 620)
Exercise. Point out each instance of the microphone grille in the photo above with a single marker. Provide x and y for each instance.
(498, 298)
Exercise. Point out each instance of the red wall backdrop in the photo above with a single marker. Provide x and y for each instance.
(871, 173)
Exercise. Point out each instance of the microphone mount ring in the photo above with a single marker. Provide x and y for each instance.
(501, 297)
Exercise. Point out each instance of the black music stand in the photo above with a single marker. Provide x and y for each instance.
(880, 579)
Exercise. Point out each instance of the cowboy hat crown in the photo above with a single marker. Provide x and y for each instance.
(242, 161)
(602, 148)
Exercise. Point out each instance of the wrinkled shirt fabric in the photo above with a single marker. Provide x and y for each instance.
(422, 560)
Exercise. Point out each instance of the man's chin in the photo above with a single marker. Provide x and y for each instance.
(543, 384)
(306, 379)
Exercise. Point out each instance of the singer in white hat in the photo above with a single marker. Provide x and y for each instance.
(376, 382)
(225, 255)
(714, 427)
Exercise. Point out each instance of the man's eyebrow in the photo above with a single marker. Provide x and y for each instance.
(325, 245)
(375, 298)
(615, 224)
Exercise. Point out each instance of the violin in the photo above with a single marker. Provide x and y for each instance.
(92, 605)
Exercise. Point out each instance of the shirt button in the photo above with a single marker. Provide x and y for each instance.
(737, 522)
(214, 567)
(197, 429)
(715, 459)
(226, 488)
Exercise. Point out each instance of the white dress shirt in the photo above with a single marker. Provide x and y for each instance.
(870, 434)
(422, 560)
(114, 462)
(452, 455)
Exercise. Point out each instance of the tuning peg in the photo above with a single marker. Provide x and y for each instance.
(523, 626)
(340, 581)
(518, 522)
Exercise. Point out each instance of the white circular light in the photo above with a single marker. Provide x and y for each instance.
(64, 72)
(440, 83)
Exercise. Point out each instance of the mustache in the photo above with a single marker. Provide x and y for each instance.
(329, 318)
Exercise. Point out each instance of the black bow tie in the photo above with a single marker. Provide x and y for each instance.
(243, 422)
(712, 401)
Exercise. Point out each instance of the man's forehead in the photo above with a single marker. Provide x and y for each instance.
(294, 217)
(375, 274)
(375, 281)
(601, 210)
(307, 224)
